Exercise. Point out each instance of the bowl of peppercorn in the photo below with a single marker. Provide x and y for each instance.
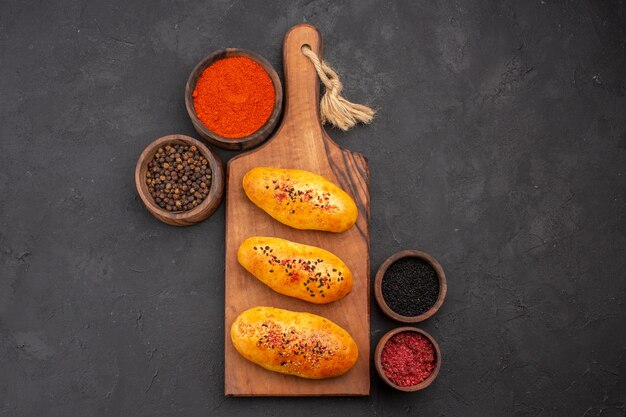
(410, 286)
(234, 98)
(407, 359)
(179, 180)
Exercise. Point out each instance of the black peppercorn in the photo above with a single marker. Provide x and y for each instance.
(172, 169)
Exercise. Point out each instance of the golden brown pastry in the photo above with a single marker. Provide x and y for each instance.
(300, 344)
(301, 271)
(300, 199)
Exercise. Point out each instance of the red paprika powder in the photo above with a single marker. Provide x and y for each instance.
(234, 97)
(408, 358)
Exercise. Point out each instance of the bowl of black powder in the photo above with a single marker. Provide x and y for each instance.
(410, 286)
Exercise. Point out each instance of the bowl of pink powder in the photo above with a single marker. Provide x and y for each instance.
(407, 359)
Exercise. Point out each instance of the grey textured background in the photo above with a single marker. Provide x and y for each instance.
(499, 147)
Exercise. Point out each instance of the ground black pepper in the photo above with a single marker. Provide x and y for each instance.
(410, 286)
(178, 177)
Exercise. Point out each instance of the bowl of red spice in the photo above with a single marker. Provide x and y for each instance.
(410, 286)
(407, 359)
(234, 98)
(179, 180)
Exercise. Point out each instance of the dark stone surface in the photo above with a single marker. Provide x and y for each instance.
(499, 147)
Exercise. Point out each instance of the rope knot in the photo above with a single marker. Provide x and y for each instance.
(334, 86)
(335, 109)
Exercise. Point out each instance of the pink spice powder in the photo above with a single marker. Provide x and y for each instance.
(408, 358)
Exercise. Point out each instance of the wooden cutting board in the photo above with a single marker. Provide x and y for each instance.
(300, 143)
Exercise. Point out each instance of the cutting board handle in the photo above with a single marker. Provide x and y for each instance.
(303, 86)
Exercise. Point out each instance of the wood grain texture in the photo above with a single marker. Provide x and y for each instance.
(299, 143)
